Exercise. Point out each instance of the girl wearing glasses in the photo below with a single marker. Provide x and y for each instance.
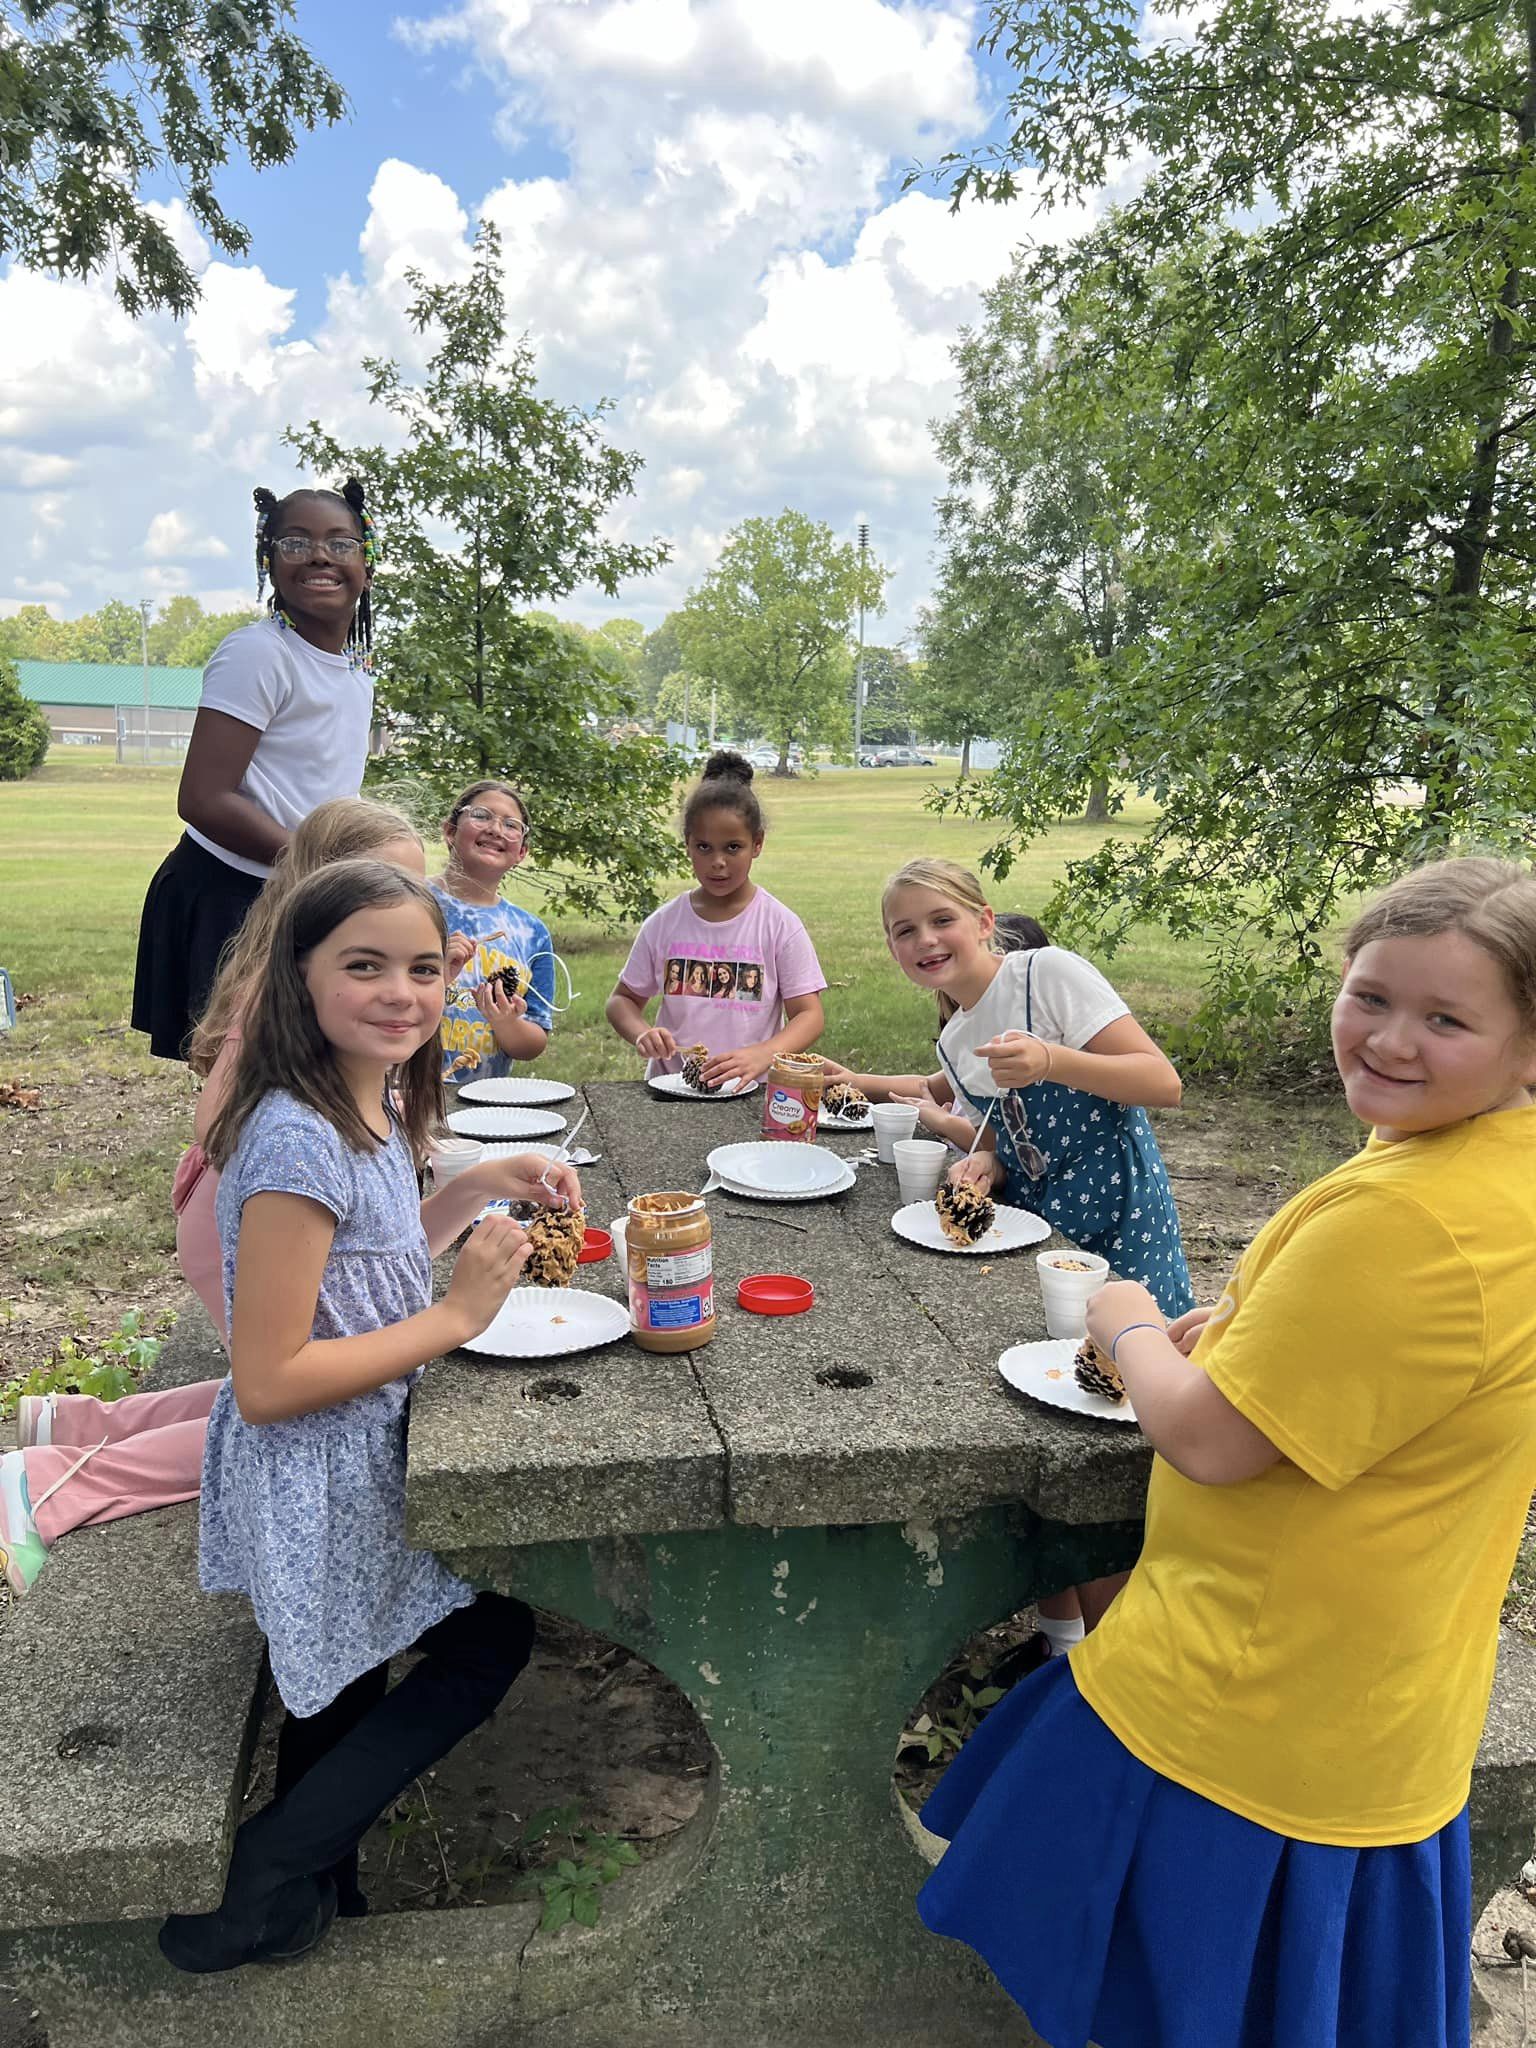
(282, 726)
(485, 1025)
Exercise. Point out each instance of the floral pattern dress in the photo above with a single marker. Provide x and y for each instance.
(306, 1517)
(1092, 1169)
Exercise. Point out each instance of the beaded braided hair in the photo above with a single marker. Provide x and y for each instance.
(268, 507)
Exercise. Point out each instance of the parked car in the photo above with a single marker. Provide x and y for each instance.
(903, 757)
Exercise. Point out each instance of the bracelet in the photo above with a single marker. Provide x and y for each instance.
(1048, 1051)
(1127, 1331)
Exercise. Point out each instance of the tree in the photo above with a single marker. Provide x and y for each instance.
(112, 634)
(34, 634)
(1040, 522)
(496, 502)
(1332, 408)
(660, 657)
(98, 99)
(23, 729)
(887, 679)
(962, 689)
(770, 625)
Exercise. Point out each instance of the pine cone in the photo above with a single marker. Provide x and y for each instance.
(841, 1098)
(514, 978)
(556, 1236)
(1097, 1373)
(966, 1211)
(694, 1060)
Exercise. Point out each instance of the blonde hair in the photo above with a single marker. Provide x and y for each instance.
(956, 885)
(347, 828)
(1491, 902)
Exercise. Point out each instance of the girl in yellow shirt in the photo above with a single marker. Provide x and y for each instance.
(1236, 1816)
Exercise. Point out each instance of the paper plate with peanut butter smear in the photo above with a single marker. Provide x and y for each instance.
(1045, 1371)
(1010, 1231)
(675, 1085)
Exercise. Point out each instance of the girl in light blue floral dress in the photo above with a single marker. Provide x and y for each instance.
(327, 1255)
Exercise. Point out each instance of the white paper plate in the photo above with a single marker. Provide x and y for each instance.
(778, 1167)
(487, 1121)
(919, 1223)
(862, 1122)
(546, 1150)
(675, 1085)
(817, 1194)
(517, 1091)
(549, 1322)
(1043, 1370)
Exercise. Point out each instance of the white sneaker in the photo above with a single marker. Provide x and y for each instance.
(34, 1420)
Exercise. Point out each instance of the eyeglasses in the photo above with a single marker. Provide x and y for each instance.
(299, 547)
(510, 828)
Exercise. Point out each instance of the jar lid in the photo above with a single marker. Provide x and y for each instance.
(595, 1245)
(775, 1294)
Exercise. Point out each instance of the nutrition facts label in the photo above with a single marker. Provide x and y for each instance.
(679, 1270)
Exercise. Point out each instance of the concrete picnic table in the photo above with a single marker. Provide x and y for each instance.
(799, 1523)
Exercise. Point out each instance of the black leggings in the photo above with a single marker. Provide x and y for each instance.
(337, 1770)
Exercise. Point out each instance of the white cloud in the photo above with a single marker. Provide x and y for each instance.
(724, 251)
(172, 538)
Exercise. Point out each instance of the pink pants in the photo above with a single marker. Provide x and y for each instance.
(153, 1457)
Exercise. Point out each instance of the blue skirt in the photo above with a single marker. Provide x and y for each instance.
(1118, 1908)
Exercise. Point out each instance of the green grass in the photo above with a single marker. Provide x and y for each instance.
(80, 840)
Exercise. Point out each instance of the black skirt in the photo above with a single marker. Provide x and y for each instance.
(195, 904)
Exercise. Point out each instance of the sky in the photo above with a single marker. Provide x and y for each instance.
(703, 220)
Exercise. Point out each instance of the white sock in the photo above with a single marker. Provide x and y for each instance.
(1061, 1635)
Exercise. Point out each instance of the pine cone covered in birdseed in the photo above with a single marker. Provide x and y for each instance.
(695, 1058)
(966, 1211)
(1097, 1373)
(841, 1098)
(556, 1236)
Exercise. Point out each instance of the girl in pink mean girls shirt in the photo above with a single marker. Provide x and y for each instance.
(728, 934)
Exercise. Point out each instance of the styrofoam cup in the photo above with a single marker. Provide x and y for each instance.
(1067, 1292)
(618, 1231)
(452, 1156)
(892, 1121)
(919, 1167)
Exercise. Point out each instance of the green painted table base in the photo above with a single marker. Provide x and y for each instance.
(804, 1651)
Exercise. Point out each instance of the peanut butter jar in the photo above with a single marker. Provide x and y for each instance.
(792, 1096)
(670, 1259)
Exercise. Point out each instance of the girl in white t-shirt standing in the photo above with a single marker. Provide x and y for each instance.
(282, 725)
(735, 967)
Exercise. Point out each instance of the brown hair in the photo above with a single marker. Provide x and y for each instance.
(725, 785)
(465, 798)
(1491, 902)
(282, 1045)
(348, 828)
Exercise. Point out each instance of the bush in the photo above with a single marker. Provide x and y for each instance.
(23, 729)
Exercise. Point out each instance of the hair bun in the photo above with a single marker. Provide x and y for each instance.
(352, 492)
(726, 765)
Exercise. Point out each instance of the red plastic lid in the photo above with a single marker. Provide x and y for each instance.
(775, 1294)
(595, 1245)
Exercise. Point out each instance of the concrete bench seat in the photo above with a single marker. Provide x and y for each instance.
(128, 1703)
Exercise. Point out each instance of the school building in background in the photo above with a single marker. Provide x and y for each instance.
(101, 703)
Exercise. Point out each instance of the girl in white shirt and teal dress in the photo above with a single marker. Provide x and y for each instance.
(1039, 1043)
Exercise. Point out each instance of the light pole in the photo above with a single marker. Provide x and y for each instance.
(144, 667)
(858, 673)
